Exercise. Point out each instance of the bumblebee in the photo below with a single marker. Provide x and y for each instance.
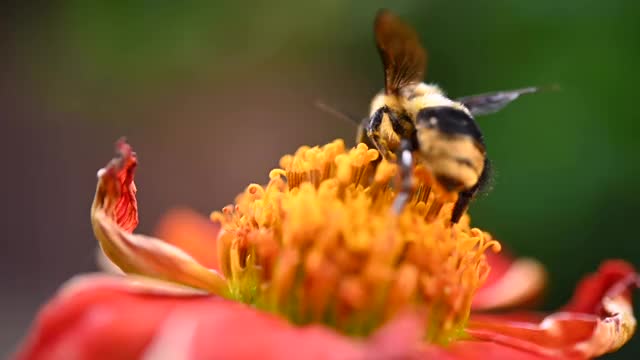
(414, 122)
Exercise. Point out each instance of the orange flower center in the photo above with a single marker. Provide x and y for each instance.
(319, 244)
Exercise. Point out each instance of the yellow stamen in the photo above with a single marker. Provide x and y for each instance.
(319, 243)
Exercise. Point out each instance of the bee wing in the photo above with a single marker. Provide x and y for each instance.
(489, 103)
(403, 56)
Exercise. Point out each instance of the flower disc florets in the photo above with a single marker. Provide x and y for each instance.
(320, 244)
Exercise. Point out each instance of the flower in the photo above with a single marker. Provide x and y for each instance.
(314, 265)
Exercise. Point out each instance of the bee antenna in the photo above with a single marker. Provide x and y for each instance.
(335, 112)
(550, 87)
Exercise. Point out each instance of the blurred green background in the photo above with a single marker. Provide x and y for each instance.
(211, 94)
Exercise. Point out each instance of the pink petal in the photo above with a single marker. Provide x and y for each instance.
(191, 232)
(93, 318)
(511, 282)
(106, 317)
(243, 333)
(473, 350)
(588, 294)
(599, 319)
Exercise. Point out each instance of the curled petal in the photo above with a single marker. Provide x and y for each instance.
(588, 296)
(131, 283)
(584, 329)
(116, 194)
(191, 232)
(114, 215)
(105, 264)
(187, 230)
(510, 283)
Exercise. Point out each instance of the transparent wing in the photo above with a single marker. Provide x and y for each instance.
(489, 103)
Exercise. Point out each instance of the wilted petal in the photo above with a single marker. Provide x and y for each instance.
(511, 282)
(187, 230)
(116, 192)
(586, 328)
(114, 215)
(191, 232)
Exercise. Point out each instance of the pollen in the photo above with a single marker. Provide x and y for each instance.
(320, 244)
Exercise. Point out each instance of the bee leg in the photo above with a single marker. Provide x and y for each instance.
(465, 197)
(405, 164)
(372, 129)
(362, 135)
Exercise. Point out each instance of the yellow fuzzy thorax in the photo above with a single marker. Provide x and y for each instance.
(319, 244)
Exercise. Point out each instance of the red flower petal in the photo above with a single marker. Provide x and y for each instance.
(588, 295)
(101, 317)
(191, 232)
(510, 283)
(469, 349)
(107, 319)
(586, 328)
(92, 323)
(499, 263)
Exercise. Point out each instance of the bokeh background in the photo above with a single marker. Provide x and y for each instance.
(211, 94)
